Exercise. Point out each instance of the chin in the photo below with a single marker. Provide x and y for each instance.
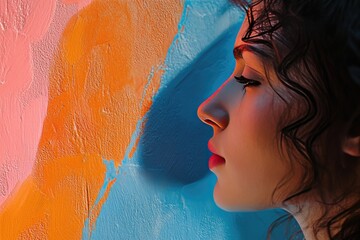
(223, 201)
(238, 207)
(224, 206)
(231, 207)
(232, 203)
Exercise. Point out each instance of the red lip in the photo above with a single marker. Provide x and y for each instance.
(215, 160)
(211, 148)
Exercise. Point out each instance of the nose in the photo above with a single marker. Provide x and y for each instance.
(213, 112)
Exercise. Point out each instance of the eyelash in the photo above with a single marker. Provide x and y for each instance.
(246, 81)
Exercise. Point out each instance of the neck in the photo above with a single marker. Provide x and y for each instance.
(306, 220)
(308, 216)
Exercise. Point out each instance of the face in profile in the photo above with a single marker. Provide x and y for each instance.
(244, 114)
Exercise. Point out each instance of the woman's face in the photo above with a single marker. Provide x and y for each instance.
(244, 118)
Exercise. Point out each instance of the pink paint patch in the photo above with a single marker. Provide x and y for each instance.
(22, 22)
(24, 81)
(81, 3)
(29, 34)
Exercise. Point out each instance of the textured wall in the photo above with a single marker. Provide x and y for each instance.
(120, 153)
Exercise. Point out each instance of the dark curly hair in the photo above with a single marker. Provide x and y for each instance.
(316, 55)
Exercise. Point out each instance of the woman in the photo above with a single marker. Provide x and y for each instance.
(287, 122)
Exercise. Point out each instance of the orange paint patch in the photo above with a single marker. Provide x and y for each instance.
(97, 83)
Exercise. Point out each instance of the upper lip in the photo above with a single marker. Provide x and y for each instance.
(212, 149)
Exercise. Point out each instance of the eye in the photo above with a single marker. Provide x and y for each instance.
(246, 81)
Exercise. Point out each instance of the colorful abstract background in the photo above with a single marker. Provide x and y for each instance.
(99, 134)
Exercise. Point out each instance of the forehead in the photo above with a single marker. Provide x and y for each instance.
(241, 33)
(249, 52)
(255, 10)
(255, 50)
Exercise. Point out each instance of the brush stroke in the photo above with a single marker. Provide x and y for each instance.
(96, 87)
(22, 24)
(164, 189)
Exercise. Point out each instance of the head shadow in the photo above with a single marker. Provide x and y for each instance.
(173, 146)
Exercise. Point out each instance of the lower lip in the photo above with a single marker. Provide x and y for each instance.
(215, 160)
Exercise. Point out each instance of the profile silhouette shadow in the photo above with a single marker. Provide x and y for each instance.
(173, 146)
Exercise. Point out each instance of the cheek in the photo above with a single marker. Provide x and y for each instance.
(253, 124)
(254, 166)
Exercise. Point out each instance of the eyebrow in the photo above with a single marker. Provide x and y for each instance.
(238, 51)
(238, 54)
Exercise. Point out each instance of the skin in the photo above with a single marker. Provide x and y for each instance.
(245, 134)
(244, 121)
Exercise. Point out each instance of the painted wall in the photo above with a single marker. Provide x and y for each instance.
(99, 133)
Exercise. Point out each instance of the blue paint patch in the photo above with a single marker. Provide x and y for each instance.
(200, 59)
(111, 173)
(165, 190)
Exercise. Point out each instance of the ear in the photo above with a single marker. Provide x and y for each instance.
(351, 146)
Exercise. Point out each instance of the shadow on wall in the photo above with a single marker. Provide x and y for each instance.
(173, 146)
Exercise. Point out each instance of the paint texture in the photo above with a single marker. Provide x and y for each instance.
(120, 153)
(29, 32)
(22, 23)
(164, 190)
(97, 95)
